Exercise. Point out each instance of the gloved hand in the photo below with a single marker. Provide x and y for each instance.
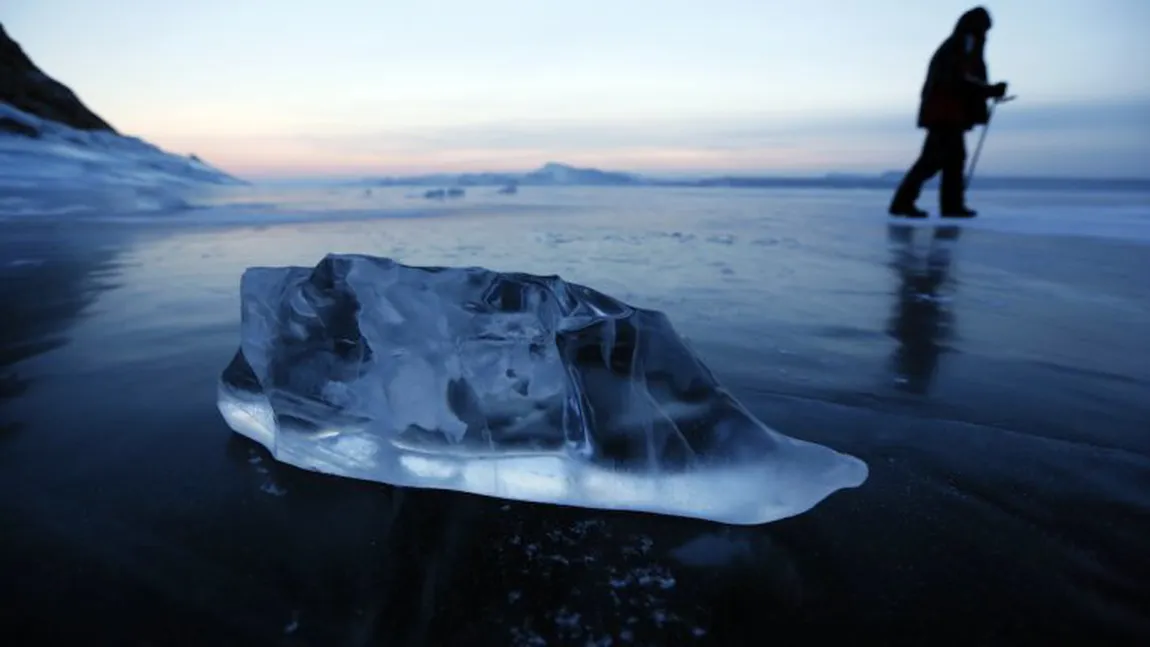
(998, 90)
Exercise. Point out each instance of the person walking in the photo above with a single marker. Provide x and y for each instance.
(953, 101)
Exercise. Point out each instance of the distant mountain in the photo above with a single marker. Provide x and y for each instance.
(550, 174)
(556, 174)
(49, 137)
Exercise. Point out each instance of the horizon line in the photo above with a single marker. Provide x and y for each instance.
(700, 174)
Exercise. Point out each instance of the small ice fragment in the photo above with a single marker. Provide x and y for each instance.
(272, 489)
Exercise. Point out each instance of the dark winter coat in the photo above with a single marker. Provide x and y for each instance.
(949, 99)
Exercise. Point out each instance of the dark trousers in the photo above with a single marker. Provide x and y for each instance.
(944, 150)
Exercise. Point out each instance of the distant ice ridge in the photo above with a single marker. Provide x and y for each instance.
(39, 156)
(508, 385)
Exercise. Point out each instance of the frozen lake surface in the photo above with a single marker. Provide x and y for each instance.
(994, 376)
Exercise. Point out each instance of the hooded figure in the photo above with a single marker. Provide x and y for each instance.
(953, 101)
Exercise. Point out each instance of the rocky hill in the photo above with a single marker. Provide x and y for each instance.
(26, 87)
(52, 145)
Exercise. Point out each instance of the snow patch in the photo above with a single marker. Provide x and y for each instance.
(124, 173)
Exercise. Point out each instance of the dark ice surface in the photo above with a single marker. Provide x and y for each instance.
(996, 379)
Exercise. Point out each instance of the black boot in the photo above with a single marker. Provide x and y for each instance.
(961, 211)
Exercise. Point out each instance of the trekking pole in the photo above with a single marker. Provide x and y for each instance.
(982, 138)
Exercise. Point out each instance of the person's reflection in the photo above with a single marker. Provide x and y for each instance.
(920, 322)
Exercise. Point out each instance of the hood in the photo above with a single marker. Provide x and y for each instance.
(976, 22)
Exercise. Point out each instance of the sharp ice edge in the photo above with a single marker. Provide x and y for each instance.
(507, 385)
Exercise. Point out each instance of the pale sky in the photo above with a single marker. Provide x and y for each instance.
(355, 87)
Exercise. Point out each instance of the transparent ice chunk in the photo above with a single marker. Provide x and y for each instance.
(507, 385)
